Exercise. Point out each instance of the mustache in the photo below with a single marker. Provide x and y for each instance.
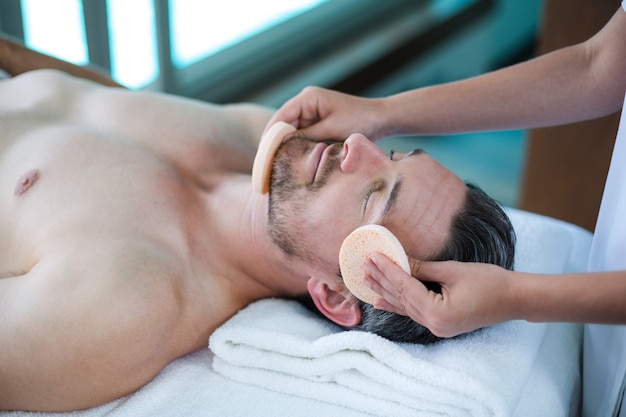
(331, 164)
(297, 147)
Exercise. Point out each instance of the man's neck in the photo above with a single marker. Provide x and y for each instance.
(246, 256)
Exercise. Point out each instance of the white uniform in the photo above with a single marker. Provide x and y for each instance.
(604, 363)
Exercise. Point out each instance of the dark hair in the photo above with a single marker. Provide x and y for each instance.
(480, 232)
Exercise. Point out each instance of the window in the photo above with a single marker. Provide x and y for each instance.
(56, 27)
(296, 39)
(230, 50)
(132, 37)
(201, 28)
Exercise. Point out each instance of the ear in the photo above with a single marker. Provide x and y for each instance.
(334, 304)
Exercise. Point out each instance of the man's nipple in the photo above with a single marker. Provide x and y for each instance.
(26, 181)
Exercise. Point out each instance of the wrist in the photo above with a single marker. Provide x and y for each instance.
(404, 115)
(520, 290)
(533, 296)
(389, 116)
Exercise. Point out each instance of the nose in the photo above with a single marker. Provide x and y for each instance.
(359, 151)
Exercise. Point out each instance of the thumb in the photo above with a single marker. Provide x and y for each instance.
(437, 272)
(415, 265)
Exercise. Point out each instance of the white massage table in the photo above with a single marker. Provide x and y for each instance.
(549, 384)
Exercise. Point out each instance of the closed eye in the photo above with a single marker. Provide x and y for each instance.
(397, 156)
(377, 187)
(367, 198)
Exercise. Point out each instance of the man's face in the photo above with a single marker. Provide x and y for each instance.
(321, 192)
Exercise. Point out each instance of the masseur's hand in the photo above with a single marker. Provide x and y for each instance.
(473, 295)
(324, 114)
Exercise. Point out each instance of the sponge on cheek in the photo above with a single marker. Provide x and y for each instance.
(357, 248)
(264, 159)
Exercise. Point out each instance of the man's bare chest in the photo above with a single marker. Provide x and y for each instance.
(60, 183)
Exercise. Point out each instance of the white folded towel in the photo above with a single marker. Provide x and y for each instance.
(281, 346)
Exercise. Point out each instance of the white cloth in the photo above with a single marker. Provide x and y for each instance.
(282, 346)
(604, 359)
(604, 364)
(515, 369)
(188, 387)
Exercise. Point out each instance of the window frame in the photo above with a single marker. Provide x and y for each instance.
(284, 48)
(266, 59)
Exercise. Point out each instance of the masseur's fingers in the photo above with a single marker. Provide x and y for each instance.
(324, 114)
(300, 111)
(400, 292)
(407, 295)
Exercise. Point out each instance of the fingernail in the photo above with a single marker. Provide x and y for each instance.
(374, 258)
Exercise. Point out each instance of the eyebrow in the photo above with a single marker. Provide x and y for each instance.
(417, 151)
(395, 190)
(393, 197)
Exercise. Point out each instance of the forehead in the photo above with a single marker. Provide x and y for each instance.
(427, 200)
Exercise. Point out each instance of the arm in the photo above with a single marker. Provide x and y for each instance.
(194, 135)
(16, 59)
(476, 295)
(580, 82)
(572, 84)
(247, 120)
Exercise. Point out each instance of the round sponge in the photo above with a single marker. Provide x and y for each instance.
(262, 167)
(356, 249)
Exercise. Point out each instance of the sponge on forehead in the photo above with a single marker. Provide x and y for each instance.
(357, 248)
(264, 159)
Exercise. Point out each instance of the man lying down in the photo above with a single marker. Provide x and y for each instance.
(131, 231)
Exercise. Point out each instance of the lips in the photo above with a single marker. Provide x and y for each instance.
(318, 157)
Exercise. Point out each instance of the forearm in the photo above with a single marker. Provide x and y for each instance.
(583, 298)
(16, 59)
(533, 94)
(572, 84)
